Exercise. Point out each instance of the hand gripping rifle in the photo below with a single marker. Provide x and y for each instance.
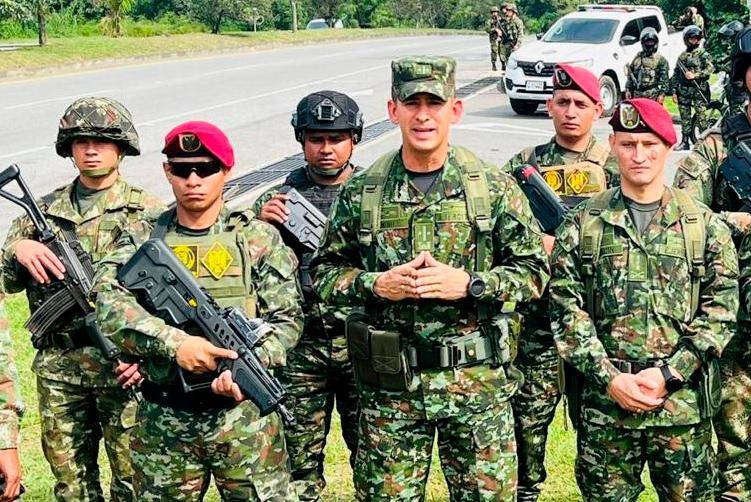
(171, 291)
(79, 272)
(547, 207)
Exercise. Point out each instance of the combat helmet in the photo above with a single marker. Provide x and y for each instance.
(327, 111)
(494, 9)
(740, 56)
(649, 40)
(100, 118)
(691, 31)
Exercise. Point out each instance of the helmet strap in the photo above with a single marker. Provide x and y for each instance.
(97, 173)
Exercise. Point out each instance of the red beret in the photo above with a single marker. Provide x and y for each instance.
(566, 76)
(195, 139)
(644, 115)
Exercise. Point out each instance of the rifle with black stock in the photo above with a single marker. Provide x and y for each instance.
(546, 205)
(305, 222)
(157, 276)
(78, 278)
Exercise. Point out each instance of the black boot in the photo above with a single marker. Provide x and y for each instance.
(495, 68)
(684, 145)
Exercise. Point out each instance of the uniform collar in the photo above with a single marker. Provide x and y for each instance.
(404, 191)
(668, 214)
(113, 199)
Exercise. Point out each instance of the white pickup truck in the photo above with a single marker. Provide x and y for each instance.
(601, 38)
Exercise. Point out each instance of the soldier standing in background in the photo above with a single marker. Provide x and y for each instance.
(11, 410)
(327, 124)
(690, 17)
(80, 396)
(690, 85)
(183, 438)
(513, 32)
(434, 245)
(643, 300)
(701, 174)
(576, 166)
(494, 28)
(649, 72)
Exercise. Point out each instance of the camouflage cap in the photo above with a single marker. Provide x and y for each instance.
(100, 118)
(415, 74)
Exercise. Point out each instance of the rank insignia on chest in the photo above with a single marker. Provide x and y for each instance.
(554, 179)
(217, 260)
(577, 180)
(188, 255)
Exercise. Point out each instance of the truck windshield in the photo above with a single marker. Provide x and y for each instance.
(581, 31)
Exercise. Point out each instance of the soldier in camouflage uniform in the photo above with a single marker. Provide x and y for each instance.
(690, 17)
(494, 28)
(700, 174)
(649, 72)
(181, 439)
(318, 372)
(11, 410)
(576, 166)
(80, 401)
(690, 85)
(643, 299)
(513, 32)
(434, 245)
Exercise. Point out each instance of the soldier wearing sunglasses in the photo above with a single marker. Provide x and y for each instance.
(184, 438)
(643, 299)
(576, 166)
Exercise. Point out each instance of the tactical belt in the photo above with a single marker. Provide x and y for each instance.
(453, 355)
(635, 366)
(173, 397)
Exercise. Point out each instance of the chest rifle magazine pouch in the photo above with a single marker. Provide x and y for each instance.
(710, 388)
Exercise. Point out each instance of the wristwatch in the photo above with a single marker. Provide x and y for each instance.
(672, 383)
(476, 286)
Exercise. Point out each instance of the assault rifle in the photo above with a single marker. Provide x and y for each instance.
(305, 222)
(736, 169)
(79, 272)
(547, 207)
(171, 291)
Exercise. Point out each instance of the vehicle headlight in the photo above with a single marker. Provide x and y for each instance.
(583, 63)
(512, 63)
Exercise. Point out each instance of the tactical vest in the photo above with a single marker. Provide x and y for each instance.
(219, 261)
(644, 70)
(573, 182)
(735, 128)
(591, 244)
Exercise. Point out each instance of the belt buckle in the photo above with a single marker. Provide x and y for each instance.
(449, 356)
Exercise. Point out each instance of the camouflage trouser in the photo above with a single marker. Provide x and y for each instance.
(496, 48)
(73, 420)
(318, 372)
(652, 93)
(680, 458)
(506, 50)
(733, 423)
(534, 409)
(477, 453)
(693, 110)
(175, 452)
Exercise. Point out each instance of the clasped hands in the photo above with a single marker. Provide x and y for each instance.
(640, 393)
(422, 278)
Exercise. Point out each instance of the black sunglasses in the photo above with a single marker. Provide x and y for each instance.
(202, 169)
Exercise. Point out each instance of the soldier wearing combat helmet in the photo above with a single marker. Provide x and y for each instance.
(433, 246)
(328, 125)
(576, 166)
(513, 32)
(80, 392)
(184, 438)
(494, 28)
(649, 73)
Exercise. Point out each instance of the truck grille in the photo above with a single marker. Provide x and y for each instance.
(529, 69)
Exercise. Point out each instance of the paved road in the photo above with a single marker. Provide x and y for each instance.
(251, 96)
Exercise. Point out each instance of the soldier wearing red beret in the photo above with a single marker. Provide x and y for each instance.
(183, 438)
(643, 300)
(576, 166)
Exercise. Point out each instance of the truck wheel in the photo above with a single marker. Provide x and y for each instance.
(524, 106)
(609, 93)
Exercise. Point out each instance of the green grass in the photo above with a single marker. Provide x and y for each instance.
(560, 486)
(68, 52)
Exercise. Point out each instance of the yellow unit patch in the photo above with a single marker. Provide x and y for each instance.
(187, 254)
(217, 260)
(554, 179)
(577, 180)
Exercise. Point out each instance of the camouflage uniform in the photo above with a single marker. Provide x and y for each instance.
(648, 76)
(699, 174)
(641, 294)
(12, 406)
(174, 450)
(496, 42)
(534, 406)
(79, 398)
(691, 105)
(318, 369)
(513, 30)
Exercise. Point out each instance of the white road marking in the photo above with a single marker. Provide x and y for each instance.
(61, 98)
